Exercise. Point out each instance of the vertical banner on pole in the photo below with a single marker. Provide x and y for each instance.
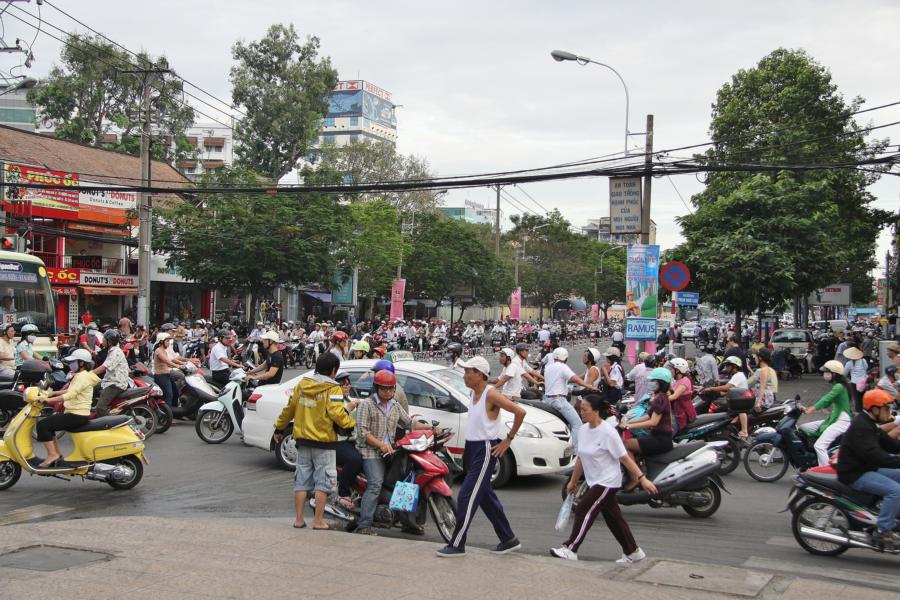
(595, 312)
(515, 304)
(641, 288)
(398, 290)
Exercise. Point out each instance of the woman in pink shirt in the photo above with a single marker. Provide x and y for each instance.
(682, 394)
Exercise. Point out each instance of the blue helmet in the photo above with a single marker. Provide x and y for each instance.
(383, 365)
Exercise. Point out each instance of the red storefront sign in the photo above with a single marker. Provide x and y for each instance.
(64, 276)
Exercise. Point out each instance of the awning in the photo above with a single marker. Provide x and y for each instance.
(108, 291)
(65, 291)
(320, 296)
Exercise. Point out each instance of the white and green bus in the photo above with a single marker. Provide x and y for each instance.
(26, 297)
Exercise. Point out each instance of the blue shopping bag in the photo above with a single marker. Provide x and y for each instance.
(405, 497)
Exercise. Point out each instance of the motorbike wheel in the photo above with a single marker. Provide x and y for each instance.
(713, 497)
(134, 464)
(213, 427)
(145, 419)
(730, 457)
(766, 462)
(9, 474)
(824, 515)
(163, 418)
(286, 453)
(443, 511)
(503, 471)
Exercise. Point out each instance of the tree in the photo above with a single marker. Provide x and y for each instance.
(252, 243)
(375, 246)
(757, 240)
(88, 95)
(369, 161)
(282, 86)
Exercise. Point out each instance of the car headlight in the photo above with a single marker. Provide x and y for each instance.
(526, 430)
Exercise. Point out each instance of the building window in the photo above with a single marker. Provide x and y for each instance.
(329, 122)
(354, 139)
(354, 121)
(328, 138)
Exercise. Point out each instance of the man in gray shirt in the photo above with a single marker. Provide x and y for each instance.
(114, 371)
(708, 368)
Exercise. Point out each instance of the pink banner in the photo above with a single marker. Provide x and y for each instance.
(595, 312)
(515, 304)
(398, 291)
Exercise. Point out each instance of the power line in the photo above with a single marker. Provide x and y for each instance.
(519, 205)
(530, 197)
(669, 177)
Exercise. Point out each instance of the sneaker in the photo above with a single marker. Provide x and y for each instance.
(887, 538)
(563, 552)
(366, 531)
(636, 556)
(450, 552)
(510, 545)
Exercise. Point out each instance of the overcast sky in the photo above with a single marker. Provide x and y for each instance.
(480, 92)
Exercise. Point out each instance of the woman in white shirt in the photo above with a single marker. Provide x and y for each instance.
(600, 452)
(590, 360)
(856, 371)
(613, 375)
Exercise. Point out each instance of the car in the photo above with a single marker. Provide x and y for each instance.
(798, 341)
(435, 392)
(690, 329)
(664, 324)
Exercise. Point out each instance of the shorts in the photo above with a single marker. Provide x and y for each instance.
(655, 443)
(316, 469)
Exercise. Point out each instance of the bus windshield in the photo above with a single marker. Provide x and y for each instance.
(25, 296)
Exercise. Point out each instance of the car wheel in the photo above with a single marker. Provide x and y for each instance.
(286, 452)
(504, 470)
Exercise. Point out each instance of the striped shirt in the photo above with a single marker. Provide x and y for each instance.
(370, 418)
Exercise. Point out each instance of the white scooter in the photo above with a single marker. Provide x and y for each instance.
(217, 420)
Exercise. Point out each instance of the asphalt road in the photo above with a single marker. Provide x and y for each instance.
(188, 478)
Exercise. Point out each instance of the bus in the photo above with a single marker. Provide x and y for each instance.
(26, 298)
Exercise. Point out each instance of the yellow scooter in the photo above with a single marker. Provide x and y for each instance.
(107, 449)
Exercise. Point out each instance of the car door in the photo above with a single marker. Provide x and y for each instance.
(431, 403)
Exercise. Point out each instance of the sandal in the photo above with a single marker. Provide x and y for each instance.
(50, 464)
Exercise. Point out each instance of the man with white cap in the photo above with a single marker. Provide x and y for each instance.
(737, 379)
(510, 380)
(557, 376)
(482, 451)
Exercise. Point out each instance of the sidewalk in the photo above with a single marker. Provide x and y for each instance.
(158, 559)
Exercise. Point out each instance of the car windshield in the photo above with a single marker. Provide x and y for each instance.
(789, 336)
(453, 379)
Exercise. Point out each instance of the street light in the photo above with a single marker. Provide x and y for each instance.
(602, 254)
(562, 55)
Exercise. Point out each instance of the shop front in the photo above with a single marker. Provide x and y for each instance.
(64, 283)
(173, 298)
(107, 296)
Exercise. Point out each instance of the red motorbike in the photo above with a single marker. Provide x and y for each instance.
(140, 377)
(415, 454)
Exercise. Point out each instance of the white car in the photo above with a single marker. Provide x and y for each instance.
(435, 393)
(690, 329)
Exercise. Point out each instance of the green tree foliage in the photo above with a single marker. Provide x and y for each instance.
(87, 94)
(281, 84)
(243, 243)
(375, 246)
(757, 240)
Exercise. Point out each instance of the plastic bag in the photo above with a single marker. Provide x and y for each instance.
(405, 497)
(564, 518)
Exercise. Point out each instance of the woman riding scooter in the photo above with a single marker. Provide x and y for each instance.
(77, 401)
(658, 421)
(838, 398)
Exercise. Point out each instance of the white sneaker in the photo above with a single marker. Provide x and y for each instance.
(563, 552)
(636, 556)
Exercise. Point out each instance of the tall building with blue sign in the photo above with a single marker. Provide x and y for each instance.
(359, 111)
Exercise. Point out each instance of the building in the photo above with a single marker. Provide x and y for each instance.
(472, 212)
(359, 111)
(599, 229)
(85, 238)
(214, 144)
(15, 109)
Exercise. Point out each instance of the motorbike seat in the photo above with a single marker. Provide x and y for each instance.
(676, 453)
(706, 419)
(103, 423)
(7, 375)
(130, 393)
(831, 482)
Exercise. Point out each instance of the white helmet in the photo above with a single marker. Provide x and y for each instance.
(79, 354)
(680, 365)
(561, 354)
(595, 354)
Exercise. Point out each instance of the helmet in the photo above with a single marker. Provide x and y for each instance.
(383, 365)
(455, 348)
(90, 325)
(595, 354)
(661, 374)
(360, 346)
(80, 354)
(508, 352)
(223, 333)
(561, 354)
(161, 337)
(521, 346)
(548, 345)
(384, 378)
(833, 366)
(890, 371)
(734, 360)
(339, 336)
(226, 325)
(342, 375)
(874, 398)
(29, 328)
(271, 336)
(379, 351)
(680, 365)
(612, 351)
(200, 322)
(112, 336)
(163, 327)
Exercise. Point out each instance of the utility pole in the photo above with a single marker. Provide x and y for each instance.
(648, 179)
(497, 223)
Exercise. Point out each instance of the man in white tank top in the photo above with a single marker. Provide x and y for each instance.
(483, 449)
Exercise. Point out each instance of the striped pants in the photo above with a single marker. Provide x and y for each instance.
(476, 492)
(600, 500)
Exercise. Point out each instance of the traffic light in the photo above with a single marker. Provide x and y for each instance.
(10, 243)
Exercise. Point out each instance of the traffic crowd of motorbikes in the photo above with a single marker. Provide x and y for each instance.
(677, 425)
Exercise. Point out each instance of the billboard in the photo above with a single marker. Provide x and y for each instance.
(59, 204)
(686, 298)
(107, 206)
(624, 205)
(379, 110)
(836, 294)
(642, 280)
(342, 288)
(345, 104)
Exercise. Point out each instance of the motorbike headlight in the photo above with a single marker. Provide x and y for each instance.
(526, 430)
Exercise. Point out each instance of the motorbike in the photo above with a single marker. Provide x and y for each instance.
(140, 377)
(774, 449)
(107, 449)
(685, 476)
(417, 454)
(218, 419)
(197, 391)
(829, 518)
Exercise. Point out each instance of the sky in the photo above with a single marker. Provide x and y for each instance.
(480, 92)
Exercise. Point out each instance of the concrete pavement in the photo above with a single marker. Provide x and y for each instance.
(161, 558)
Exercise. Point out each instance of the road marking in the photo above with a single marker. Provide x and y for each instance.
(783, 541)
(857, 578)
(32, 513)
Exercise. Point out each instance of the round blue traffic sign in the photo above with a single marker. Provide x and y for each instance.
(674, 276)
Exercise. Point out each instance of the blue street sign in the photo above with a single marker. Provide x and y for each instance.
(641, 329)
(687, 298)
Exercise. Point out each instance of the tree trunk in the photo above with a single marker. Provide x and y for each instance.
(737, 322)
(251, 310)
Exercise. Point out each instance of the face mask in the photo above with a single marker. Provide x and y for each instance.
(828, 376)
(653, 386)
(30, 339)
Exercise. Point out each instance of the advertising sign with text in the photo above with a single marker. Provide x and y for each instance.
(624, 205)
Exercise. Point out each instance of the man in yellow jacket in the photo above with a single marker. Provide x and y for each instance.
(316, 407)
